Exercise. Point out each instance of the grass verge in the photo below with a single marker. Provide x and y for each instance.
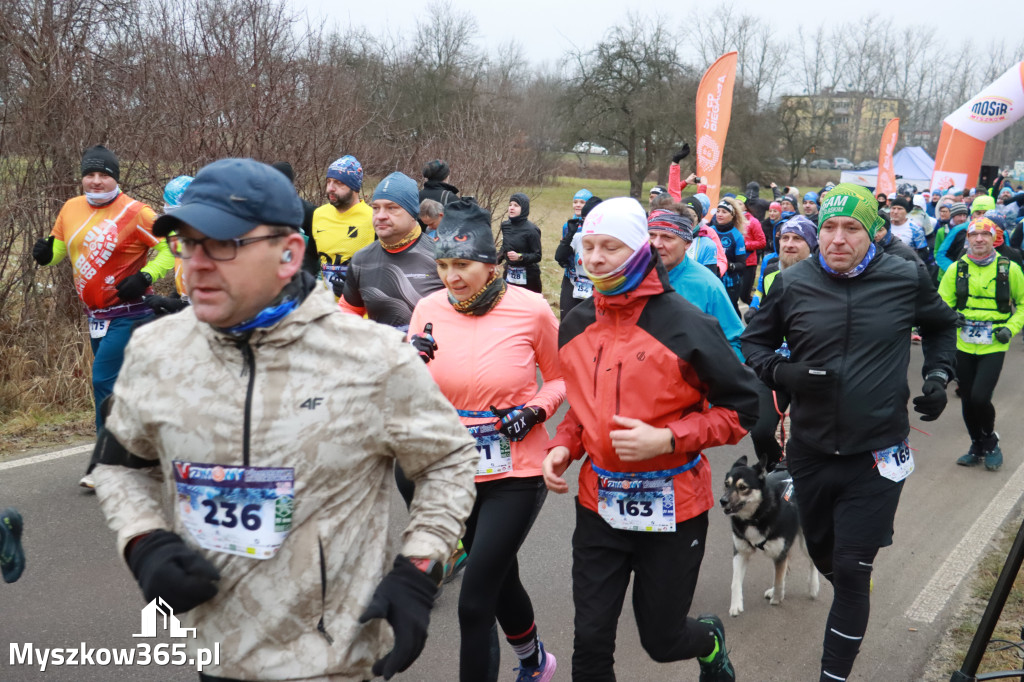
(40, 428)
(952, 647)
(551, 206)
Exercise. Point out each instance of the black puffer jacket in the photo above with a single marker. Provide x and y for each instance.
(859, 328)
(757, 206)
(439, 191)
(520, 235)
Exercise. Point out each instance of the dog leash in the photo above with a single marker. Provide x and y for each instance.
(782, 420)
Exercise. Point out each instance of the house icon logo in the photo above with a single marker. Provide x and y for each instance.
(156, 612)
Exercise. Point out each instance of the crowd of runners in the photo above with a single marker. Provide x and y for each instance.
(317, 351)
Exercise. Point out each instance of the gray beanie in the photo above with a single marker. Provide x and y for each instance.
(401, 189)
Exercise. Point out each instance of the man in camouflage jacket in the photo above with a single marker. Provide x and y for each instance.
(269, 427)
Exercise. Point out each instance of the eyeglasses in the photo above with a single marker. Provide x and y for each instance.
(215, 249)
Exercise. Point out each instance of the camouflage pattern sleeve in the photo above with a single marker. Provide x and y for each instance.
(130, 497)
(435, 451)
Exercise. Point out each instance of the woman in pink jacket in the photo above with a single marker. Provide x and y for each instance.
(483, 342)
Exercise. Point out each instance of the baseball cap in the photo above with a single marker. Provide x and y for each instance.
(230, 197)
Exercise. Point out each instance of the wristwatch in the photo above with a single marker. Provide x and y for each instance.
(432, 568)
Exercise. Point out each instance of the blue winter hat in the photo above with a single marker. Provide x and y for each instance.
(582, 195)
(811, 196)
(704, 200)
(401, 189)
(230, 197)
(347, 170)
(174, 190)
(802, 227)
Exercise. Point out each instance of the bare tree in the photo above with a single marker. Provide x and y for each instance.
(631, 93)
(761, 63)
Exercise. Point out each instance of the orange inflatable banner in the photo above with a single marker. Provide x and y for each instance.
(964, 132)
(886, 169)
(714, 109)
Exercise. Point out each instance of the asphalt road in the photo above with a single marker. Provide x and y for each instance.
(76, 590)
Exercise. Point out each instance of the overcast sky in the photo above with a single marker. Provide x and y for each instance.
(547, 28)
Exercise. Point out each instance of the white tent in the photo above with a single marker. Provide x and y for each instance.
(913, 163)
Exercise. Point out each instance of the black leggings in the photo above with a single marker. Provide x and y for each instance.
(664, 568)
(566, 301)
(977, 375)
(406, 487)
(747, 284)
(846, 510)
(502, 516)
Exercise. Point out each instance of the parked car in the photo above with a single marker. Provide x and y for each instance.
(864, 165)
(589, 148)
(821, 163)
(840, 163)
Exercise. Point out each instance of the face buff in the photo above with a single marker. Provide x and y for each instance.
(852, 272)
(102, 198)
(627, 276)
(483, 301)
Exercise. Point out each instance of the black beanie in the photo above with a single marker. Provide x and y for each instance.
(698, 208)
(904, 203)
(465, 232)
(99, 159)
(285, 168)
(524, 204)
(589, 206)
(436, 170)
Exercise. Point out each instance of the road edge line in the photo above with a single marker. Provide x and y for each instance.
(37, 459)
(933, 598)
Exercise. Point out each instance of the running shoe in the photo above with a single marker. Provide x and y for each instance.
(994, 458)
(915, 337)
(543, 672)
(87, 482)
(719, 668)
(972, 457)
(12, 556)
(456, 562)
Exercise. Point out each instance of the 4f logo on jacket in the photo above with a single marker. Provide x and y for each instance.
(311, 403)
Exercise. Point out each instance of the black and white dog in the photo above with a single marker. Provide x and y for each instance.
(764, 517)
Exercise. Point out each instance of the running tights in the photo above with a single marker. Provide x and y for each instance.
(848, 619)
(502, 516)
(978, 375)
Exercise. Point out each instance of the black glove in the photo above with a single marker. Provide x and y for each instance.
(166, 567)
(732, 267)
(932, 401)
(42, 252)
(517, 422)
(132, 287)
(683, 152)
(804, 377)
(1002, 334)
(404, 597)
(338, 286)
(165, 305)
(424, 343)
(749, 315)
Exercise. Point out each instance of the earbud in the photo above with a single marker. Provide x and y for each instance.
(286, 257)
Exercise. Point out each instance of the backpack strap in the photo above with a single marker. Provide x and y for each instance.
(962, 292)
(1003, 285)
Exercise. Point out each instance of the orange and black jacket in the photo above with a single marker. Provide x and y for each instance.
(651, 355)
